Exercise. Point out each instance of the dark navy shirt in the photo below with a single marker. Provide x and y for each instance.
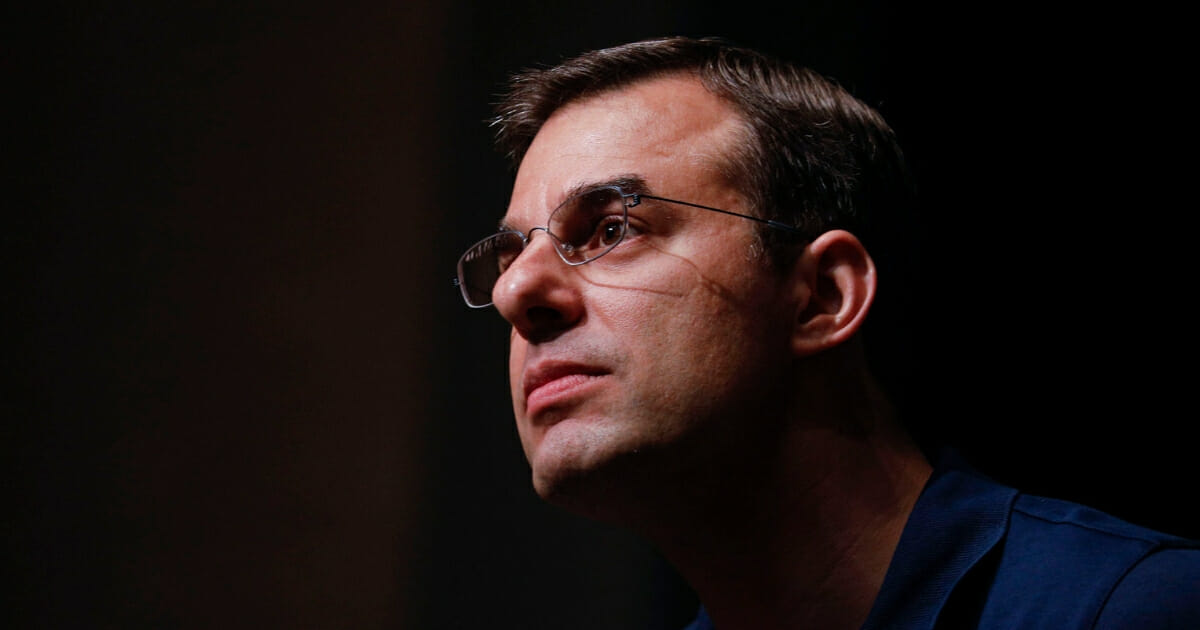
(978, 554)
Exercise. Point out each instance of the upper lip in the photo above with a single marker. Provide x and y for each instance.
(547, 371)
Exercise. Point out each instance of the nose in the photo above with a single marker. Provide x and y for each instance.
(539, 294)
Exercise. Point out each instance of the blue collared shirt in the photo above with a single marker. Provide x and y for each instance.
(978, 554)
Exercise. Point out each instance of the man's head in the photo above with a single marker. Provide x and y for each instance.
(808, 153)
(682, 355)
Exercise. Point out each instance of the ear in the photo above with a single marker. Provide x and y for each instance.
(834, 281)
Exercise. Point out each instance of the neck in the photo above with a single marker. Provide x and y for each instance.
(805, 541)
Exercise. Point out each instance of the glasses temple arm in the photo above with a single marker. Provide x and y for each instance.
(774, 224)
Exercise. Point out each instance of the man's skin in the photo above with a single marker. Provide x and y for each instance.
(685, 388)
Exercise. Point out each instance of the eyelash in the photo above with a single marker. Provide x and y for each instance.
(635, 226)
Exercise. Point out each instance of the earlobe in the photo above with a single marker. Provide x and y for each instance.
(835, 285)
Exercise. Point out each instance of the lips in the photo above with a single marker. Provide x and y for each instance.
(550, 383)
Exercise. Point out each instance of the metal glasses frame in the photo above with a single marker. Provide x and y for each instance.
(631, 200)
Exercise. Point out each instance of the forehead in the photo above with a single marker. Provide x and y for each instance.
(668, 131)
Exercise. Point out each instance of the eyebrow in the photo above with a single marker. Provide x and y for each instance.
(630, 183)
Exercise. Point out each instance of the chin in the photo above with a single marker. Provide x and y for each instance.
(586, 474)
(586, 494)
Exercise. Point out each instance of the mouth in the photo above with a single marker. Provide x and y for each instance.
(551, 384)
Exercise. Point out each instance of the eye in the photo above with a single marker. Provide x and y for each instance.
(590, 223)
(610, 230)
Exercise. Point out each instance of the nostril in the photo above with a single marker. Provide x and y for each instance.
(544, 323)
(543, 315)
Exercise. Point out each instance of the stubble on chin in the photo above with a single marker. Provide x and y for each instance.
(607, 482)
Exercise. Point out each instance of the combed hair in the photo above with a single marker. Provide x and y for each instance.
(813, 155)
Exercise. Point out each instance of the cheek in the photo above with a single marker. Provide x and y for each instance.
(516, 360)
(713, 323)
(630, 299)
(681, 344)
(516, 363)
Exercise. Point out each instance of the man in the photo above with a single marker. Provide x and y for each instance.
(682, 267)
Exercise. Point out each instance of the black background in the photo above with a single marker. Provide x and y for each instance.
(241, 391)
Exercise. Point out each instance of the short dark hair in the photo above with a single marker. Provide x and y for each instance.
(814, 157)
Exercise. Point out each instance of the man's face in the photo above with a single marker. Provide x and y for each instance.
(647, 361)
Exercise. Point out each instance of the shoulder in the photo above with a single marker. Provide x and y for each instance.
(1097, 568)
(1083, 532)
(1160, 592)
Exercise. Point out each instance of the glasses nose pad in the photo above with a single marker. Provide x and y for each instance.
(564, 250)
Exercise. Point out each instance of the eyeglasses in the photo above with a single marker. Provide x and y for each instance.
(586, 226)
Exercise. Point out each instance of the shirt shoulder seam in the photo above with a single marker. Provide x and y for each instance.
(1153, 541)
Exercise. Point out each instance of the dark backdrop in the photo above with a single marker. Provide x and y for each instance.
(240, 390)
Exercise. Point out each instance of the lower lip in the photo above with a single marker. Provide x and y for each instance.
(557, 392)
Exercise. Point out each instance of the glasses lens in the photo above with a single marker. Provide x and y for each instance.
(589, 224)
(481, 266)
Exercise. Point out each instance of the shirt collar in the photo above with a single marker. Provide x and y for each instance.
(958, 518)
